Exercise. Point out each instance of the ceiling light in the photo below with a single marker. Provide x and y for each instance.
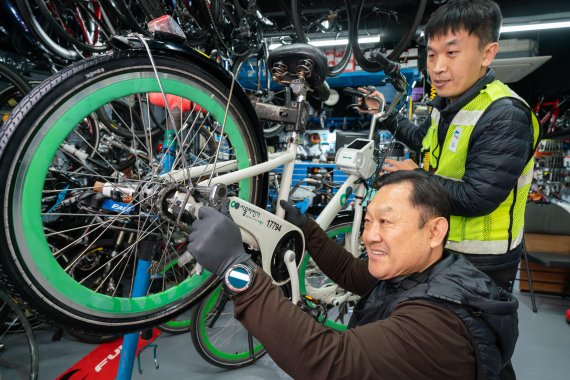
(335, 42)
(538, 26)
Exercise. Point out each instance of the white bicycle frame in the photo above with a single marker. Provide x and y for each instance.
(287, 160)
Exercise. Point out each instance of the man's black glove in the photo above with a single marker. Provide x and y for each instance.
(215, 241)
(293, 215)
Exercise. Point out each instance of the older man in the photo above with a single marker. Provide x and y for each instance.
(425, 312)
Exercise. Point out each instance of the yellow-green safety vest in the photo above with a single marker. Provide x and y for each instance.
(502, 229)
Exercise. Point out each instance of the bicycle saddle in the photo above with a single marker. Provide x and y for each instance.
(295, 61)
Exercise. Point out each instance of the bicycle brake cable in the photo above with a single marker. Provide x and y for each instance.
(166, 102)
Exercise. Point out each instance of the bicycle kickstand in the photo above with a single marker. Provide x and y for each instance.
(147, 335)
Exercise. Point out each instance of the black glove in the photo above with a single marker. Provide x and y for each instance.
(215, 241)
(293, 215)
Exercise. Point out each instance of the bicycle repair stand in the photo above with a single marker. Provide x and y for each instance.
(140, 287)
(146, 252)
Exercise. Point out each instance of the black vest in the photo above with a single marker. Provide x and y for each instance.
(489, 313)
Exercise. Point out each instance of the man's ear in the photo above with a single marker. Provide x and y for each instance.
(438, 229)
(490, 52)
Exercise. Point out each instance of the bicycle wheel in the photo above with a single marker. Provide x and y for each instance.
(13, 87)
(54, 200)
(178, 325)
(398, 25)
(330, 20)
(18, 349)
(339, 302)
(80, 23)
(218, 337)
(12, 78)
(44, 31)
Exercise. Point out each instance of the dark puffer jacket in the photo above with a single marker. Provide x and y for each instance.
(489, 313)
(501, 145)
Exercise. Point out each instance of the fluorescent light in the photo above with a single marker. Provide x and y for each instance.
(335, 42)
(539, 26)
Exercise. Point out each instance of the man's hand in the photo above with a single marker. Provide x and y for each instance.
(393, 165)
(372, 104)
(215, 241)
(292, 214)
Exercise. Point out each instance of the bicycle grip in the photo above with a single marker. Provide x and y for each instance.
(390, 67)
(353, 92)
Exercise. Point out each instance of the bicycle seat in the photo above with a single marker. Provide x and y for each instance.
(289, 62)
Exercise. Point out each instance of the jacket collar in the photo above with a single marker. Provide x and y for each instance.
(445, 107)
(411, 280)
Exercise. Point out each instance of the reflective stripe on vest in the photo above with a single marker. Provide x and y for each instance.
(501, 230)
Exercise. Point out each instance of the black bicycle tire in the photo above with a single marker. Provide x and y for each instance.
(12, 77)
(152, 8)
(297, 23)
(24, 123)
(48, 15)
(354, 19)
(51, 45)
(16, 88)
(332, 71)
(114, 11)
(34, 358)
(134, 25)
(113, 128)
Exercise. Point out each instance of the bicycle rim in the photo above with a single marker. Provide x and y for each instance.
(338, 302)
(18, 349)
(49, 192)
(219, 337)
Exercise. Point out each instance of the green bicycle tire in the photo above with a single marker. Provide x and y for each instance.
(29, 146)
(219, 338)
(338, 229)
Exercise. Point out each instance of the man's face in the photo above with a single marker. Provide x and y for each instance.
(455, 62)
(395, 243)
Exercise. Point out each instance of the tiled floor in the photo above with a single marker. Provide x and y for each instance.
(542, 351)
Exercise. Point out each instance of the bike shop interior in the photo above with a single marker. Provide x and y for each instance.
(70, 290)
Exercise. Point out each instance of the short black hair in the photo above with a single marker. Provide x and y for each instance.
(482, 18)
(427, 194)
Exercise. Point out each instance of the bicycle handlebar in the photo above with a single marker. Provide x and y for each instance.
(353, 92)
(390, 67)
(364, 95)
